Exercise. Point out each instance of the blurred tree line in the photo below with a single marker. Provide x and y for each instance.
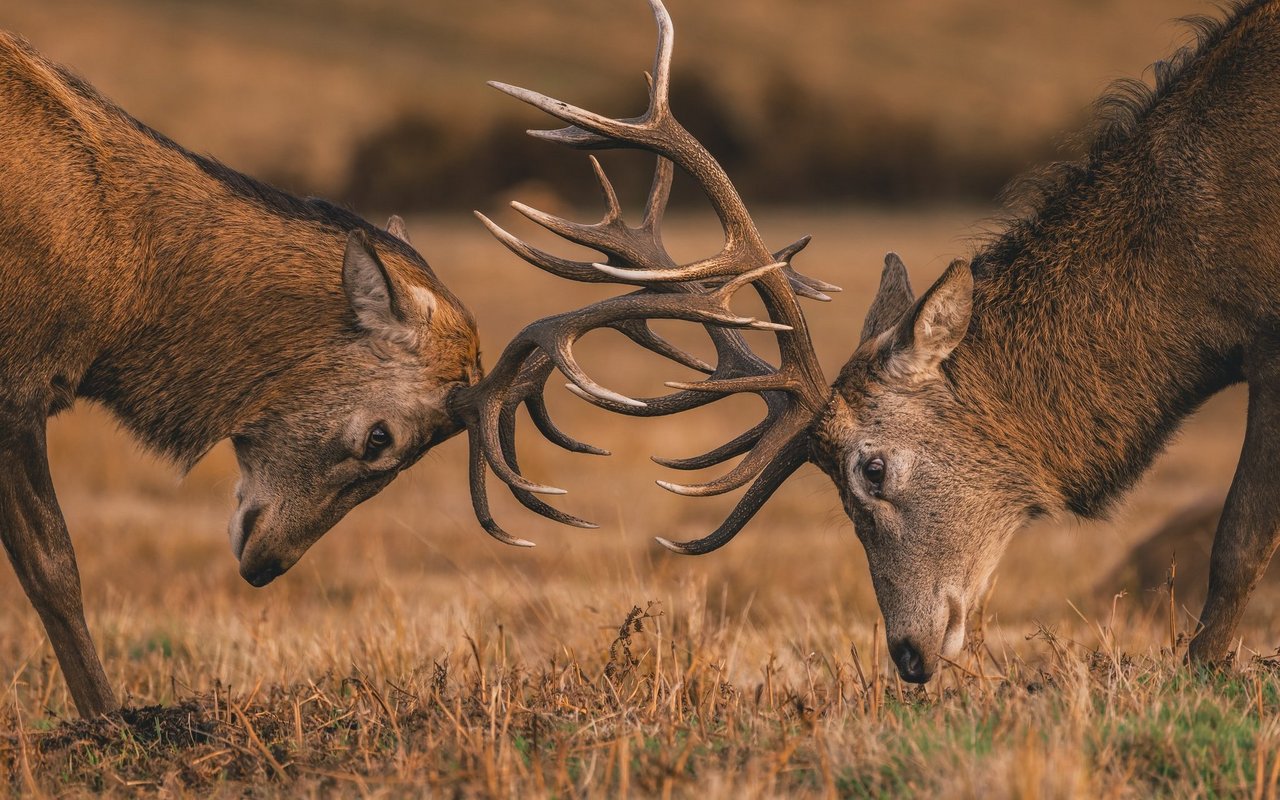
(801, 148)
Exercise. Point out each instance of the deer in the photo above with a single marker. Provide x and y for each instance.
(198, 304)
(1039, 377)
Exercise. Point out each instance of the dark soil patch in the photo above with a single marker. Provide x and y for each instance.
(182, 726)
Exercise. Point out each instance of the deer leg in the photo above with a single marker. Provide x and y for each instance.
(35, 537)
(1250, 527)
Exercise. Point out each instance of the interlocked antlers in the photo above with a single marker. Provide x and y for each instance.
(794, 392)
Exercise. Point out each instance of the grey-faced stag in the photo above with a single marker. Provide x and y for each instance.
(198, 304)
(1043, 375)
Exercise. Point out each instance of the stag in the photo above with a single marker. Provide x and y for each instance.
(1041, 376)
(198, 305)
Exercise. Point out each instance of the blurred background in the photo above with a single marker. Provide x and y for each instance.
(382, 103)
(872, 125)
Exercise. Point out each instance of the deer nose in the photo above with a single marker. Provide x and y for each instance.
(909, 661)
(264, 574)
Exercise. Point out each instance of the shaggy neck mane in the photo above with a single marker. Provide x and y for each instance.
(215, 297)
(1121, 116)
(239, 306)
(236, 324)
(1099, 319)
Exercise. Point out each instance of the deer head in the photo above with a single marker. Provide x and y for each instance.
(916, 491)
(375, 406)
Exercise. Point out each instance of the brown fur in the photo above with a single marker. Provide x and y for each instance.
(197, 304)
(1142, 280)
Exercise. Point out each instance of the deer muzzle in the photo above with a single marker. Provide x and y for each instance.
(918, 643)
(259, 564)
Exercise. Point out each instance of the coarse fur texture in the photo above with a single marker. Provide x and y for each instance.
(199, 304)
(1137, 283)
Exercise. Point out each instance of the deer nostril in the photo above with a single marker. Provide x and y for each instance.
(910, 663)
(250, 519)
(247, 522)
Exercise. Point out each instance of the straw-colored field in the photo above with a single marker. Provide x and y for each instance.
(407, 650)
(409, 654)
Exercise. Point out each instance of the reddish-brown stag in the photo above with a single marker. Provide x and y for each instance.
(1042, 376)
(197, 305)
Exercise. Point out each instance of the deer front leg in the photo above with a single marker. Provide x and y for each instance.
(35, 537)
(1250, 527)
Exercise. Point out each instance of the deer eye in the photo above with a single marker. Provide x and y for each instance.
(873, 471)
(377, 441)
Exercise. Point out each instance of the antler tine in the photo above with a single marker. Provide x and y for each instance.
(582, 271)
(537, 408)
(592, 131)
(481, 406)
(663, 406)
(507, 435)
(659, 195)
(731, 449)
(480, 496)
(613, 209)
(792, 250)
(638, 331)
(537, 368)
(784, 427)
(804, 285)
(790, 458)
(623, 245)
(775, 403)
(555, 335)
(658, 131)
(734, 362)
(660, 78)
(610, 236)
(485, 428)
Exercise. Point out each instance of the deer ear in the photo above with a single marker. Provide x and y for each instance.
(936, 324)
(369, 288)
(396, 227)
(891, 301)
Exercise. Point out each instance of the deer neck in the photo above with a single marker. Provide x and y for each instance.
(1083, 357)
(238, 304)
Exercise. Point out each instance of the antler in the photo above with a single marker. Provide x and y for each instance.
(794, 392)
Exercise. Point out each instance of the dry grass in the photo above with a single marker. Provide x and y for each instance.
(407, 651)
